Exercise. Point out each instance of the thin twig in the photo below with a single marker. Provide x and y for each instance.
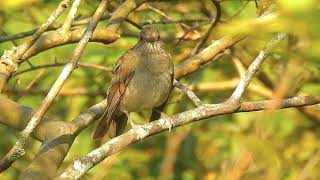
(76, 91)
(88, 65)
(208, 54)
(11, 58)
(191, 95)
(167, 21)
(306, 171)
(255, 65)
(214, 22)
(52, 27)
(158, 11)
(72, 13)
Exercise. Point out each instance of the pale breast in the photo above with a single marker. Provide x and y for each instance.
(148, 88)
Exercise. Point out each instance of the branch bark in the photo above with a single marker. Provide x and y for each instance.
(80, 166)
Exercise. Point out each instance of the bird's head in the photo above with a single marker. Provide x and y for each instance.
(149, 35)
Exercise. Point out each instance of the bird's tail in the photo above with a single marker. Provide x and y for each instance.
(115, 125)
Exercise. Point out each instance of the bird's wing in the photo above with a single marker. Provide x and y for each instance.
(123, 73)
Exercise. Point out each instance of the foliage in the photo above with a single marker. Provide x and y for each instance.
(275, 144)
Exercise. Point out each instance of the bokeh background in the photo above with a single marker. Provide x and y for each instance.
(272, 144)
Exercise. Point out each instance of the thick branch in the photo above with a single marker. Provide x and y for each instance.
(57, 38)
(122, 12)
(217, 47)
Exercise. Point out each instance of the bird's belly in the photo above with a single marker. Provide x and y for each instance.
(145, 91)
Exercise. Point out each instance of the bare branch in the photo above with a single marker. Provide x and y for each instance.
(254, 67)
(214, 22)
(80, 166)
(76, 91)
(72, 13)
(55, 38)
(52, 27)
(88, 65)
(298, 101)
(217, 47)
(167, 21)
(122, 12)
(191, 95)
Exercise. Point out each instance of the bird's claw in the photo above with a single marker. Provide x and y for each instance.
(139, 129)
(167, 121)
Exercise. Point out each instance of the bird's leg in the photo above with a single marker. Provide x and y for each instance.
(168, 120)
(136, 127)
(132, 124)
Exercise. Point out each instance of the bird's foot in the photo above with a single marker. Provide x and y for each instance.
(139, 129)
(168, 122)
(133, 125)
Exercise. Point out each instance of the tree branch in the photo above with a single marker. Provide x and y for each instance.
(191, 95)
(255, 65)
(57, 38)
(52, 27)
(10, 59)
(70, 18)
(87, 65)
(80, 166)
(217, 47)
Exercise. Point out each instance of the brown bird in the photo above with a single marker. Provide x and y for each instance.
(142, 80)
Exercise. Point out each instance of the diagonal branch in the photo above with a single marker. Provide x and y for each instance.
(10, 59)
(255, 66)
(217, 47)
(24, 34)
(191, 95)
(57, 38)
(70, 18)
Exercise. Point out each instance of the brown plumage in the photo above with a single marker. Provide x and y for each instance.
(142, 80)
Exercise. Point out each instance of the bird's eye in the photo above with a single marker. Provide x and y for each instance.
(158, 37)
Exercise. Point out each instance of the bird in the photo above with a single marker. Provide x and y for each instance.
(142, 80)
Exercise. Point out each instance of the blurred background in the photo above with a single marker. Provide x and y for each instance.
(272, 144)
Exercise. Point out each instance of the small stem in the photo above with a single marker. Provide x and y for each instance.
(70, 18)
